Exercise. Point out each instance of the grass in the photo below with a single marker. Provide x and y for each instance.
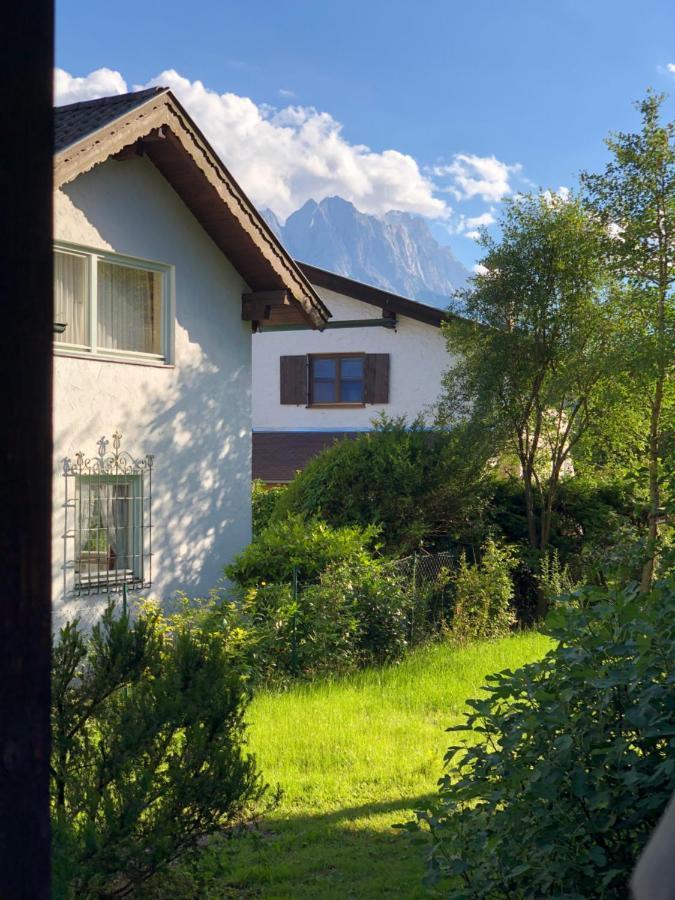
(353, 757)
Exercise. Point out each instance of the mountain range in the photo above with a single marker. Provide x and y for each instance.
(396, 251)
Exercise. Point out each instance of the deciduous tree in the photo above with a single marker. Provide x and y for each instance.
(634, 198)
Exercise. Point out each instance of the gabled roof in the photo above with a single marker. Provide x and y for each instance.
(367, 293)
(153, 122)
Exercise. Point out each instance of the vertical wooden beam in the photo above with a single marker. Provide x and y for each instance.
(26, 72)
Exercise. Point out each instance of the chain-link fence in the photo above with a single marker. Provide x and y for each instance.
(427, 577)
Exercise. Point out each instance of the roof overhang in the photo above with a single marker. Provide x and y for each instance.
(161, 129)
(389, 303)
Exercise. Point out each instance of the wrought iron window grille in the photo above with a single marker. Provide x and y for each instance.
(108, 529)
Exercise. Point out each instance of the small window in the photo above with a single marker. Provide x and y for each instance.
(337, 379)
(108, 512)
(112, 306)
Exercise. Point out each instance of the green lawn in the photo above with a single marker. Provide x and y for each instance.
(354, 757)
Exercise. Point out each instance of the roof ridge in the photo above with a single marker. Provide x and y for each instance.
(80, 104)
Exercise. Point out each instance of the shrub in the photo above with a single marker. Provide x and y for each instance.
(354, 615)
(575, 759)
(264, 501)
(484, 594)
(404, 477)
(148, 756)
(306, 547)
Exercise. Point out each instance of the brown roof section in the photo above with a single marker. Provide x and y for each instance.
(154, 123)
(278, 455)
(367, 293)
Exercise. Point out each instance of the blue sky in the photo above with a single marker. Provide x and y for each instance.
(440, 108)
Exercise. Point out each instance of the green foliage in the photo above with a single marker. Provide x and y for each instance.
(148, 736)
(483, 603)
(575, 759)
(294, 544)
(634, 200)
(264, 500)
(404, 477)
(527, 368)
(355, 614)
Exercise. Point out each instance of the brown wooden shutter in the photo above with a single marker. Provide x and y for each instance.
(293, 380)
(376, 380)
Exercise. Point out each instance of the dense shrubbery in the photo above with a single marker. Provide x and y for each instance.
(296, 545)
(575, 760)
(355, 614)
(148, 757)
(483, 601)
(264, 502)
(405, 478)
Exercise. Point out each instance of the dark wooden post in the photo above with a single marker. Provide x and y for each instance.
(26, 67)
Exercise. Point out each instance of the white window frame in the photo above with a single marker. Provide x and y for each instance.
(168, 281)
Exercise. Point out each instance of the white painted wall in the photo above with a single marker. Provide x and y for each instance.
(195, 416)
(418, 358)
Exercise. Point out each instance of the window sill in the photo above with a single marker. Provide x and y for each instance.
(336, 406)
(153, 362)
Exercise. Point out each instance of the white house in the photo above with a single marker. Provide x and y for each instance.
(162, 267)
(379, 353)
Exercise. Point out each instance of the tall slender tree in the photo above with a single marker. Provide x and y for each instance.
(529, 361)
(634, 199)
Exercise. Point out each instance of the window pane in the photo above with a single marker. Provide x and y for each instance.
(106, 539)
(351, 367)
(71, 306)
(351, 391)
(324, 392)
(129, 308)
(324, 368)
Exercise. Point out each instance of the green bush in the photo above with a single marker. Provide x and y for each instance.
(483, 602)
(306, 547)
(575, 759)
(408, 479)
(354, 615)
(264, 501)
(148, 748)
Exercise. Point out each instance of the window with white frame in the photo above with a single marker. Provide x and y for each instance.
(112, 305)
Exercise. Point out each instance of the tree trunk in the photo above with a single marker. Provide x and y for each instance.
(654, 489)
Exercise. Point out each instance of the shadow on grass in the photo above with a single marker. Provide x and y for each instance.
(363, 812)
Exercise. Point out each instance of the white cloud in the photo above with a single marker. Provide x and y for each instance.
(101, 83)
(480, 269)
(477, 176)
(284, 157)
(473, 235)
(671, 68)
(286, 93)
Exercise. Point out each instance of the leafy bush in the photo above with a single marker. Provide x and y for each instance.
(575, 759)
(404, 477)
(264, 501)
(148, 758)
(306, 547)
(484, 594)
(355, 614)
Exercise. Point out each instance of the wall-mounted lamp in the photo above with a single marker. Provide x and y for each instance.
(59, 327)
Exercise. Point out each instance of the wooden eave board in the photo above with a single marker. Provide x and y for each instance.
(187, 162)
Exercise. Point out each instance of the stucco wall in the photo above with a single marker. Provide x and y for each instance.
(195, 416)
(418, 358)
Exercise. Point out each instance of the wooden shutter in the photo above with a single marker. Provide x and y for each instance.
(376, 378)
(293, 380)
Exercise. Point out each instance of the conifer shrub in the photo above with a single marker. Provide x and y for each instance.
(148, 748)
(569, 761)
